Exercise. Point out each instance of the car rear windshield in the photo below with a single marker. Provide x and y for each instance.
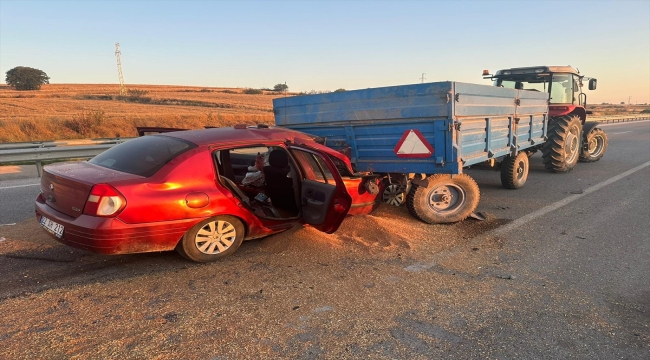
(143, 156)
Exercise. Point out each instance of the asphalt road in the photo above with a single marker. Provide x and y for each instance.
(560, 269)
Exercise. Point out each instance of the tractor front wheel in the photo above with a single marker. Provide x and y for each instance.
(595, 145)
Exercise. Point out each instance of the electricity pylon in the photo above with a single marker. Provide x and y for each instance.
(119, 69)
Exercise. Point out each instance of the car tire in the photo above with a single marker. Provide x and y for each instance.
(212, 239)
(394, 194)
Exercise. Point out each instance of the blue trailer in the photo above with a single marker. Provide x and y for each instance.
(423, 135)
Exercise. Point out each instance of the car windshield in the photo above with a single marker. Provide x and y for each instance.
(143, 156)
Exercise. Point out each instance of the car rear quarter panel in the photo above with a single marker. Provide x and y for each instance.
(163, 196)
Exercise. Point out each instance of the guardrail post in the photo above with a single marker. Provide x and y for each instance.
(39, 168)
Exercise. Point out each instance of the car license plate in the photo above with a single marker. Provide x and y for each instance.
(51, 226)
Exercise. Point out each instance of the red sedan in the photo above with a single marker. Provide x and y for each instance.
(201, 192)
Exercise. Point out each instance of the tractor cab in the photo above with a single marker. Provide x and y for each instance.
(562, 83)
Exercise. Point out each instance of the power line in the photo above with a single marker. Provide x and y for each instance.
(423, 78)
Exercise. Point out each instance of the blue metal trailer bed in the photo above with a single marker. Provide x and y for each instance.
(435, 129)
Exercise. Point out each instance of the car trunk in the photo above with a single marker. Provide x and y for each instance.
(66, 186)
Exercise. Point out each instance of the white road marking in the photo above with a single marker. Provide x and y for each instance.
(17, 186)
(622, 132)
(552, 207)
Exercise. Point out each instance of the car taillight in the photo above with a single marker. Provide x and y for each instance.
(104, 200)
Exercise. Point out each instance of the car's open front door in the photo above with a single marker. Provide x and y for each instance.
(324, 199)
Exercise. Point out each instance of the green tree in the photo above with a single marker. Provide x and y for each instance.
(339, 90)
(26, 78)
(281, 87)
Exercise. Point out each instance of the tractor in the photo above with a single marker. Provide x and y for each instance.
(570, 137)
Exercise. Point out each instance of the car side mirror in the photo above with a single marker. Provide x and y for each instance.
(592, 84)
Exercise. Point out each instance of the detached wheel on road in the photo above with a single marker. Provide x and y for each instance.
(561, 150)
(212, 239)
(514, 171)
(595, 145)
(444, 199)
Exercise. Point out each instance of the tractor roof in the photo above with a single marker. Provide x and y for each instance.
(537, 69)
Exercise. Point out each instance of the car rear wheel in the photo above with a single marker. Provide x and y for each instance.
(212, 239)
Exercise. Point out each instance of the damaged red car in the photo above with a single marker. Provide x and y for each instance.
(201, 192)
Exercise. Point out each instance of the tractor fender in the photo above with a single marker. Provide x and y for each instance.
(580, 112)
(586, 128)
(419, 181)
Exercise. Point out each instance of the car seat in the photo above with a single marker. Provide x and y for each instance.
(278, 186)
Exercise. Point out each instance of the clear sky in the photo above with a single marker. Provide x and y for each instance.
(326, 45)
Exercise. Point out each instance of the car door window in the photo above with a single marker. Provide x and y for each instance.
(313, 167)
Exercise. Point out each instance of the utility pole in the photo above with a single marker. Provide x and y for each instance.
(423, 78)
(119, 69)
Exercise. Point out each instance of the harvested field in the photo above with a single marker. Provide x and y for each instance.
(69, 111)
(74, 111)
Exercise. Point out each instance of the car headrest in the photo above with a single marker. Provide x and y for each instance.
(278, 159)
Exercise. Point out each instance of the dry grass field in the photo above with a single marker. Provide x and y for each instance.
(72, 111)
(605, 110)
(69, 111)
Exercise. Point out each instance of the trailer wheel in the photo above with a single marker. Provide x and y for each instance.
(514, 171)
(595, 145)
(444, 199)
(562, 149)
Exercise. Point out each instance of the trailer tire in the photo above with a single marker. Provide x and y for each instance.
(595, 145)
(561, 151)
(444, 199)
(514, 171)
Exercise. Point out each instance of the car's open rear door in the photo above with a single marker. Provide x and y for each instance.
(324, 199)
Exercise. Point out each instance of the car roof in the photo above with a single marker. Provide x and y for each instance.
(237, 134)
(252, 134)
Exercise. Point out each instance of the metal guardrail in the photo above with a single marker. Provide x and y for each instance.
(37, 152)
(617, 120)
(60, 143)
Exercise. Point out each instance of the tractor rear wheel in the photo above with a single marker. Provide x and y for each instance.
(562, 149)
(445, 199)
(514, 171)
(595, 145)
